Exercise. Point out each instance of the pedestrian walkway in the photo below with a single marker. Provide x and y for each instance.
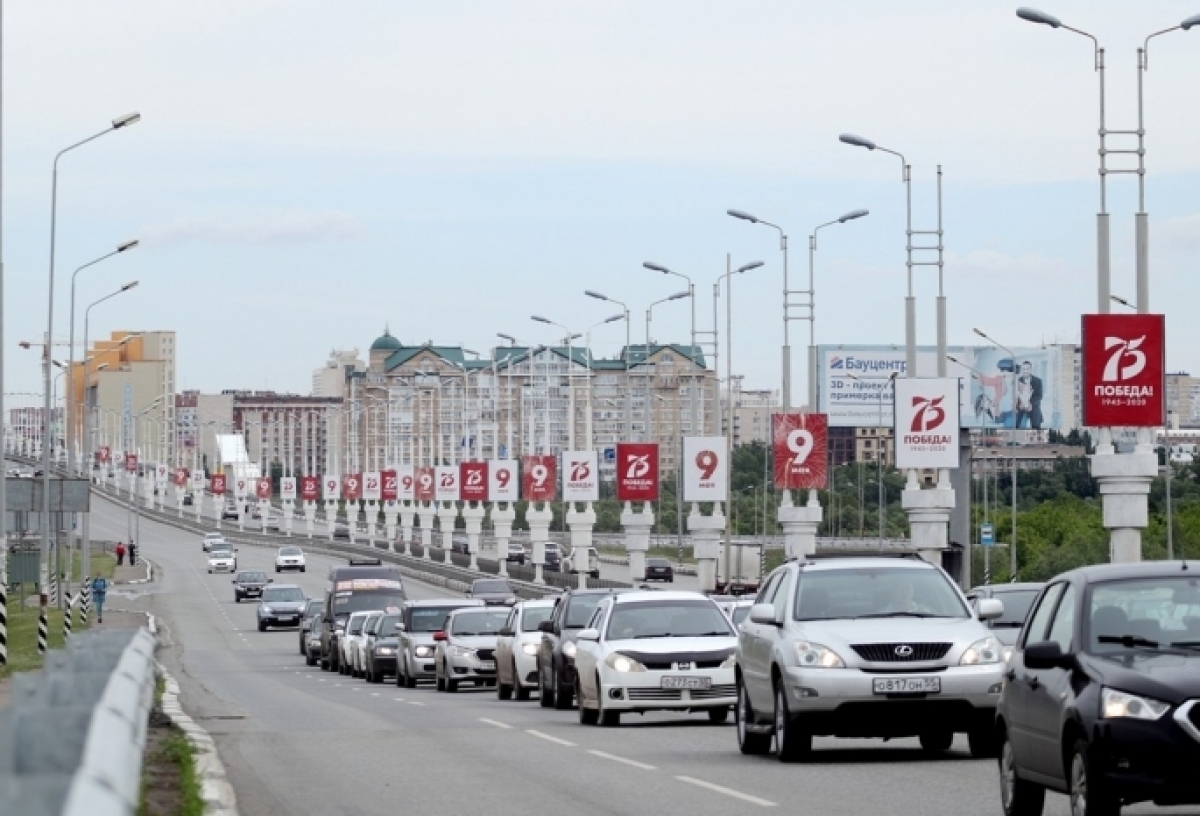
(126, 574)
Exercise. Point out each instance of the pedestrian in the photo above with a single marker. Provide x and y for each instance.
(99, 590)
(132, 554)
(120, 551)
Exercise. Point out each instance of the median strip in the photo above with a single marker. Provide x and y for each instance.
(745, 797)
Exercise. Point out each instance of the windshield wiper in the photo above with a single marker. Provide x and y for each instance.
(1007, 624)
(1129, 641)
(898, 615)
(1188, 644)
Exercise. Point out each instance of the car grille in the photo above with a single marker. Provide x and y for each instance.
(889, 652)
(728, 690)
(654, 694)
(486, 654)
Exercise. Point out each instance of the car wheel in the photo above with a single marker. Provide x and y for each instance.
(310, 660)
(545, 693)
(718, 716)
(609, 718)
(937, 741)
(587, 716)
(750, 743)
(262, 627)
(324, 664)
(451, 685)
(439, 682)
(984, 740)
(792, 742)
(1017, 797)
(302, 569)
(504, 691)
(564, 696)
(399, 673)
(1089, 794)
(277, 570)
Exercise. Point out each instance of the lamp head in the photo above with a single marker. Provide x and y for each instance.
(679, 295)
(129, 286)
(615, 318)
(1034, 16)
(539, 319)
(127, 119)
(1190, 21)
(595, 295)
(981, 334)
(745, 216)
(128, 245)
(507, 337)
(749, 266)
(656, 267)
(850, 216)
(856, 141)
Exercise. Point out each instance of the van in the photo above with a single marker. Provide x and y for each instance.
(362, 585)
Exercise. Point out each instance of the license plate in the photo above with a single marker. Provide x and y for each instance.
(487, 664)
(289, 619)
(907, 685)
(686, 682)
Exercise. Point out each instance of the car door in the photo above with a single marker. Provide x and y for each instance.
(1018, 689)
(589, 653)
(504, 646)
(754, 648)
(1050, 693)
(549, 640)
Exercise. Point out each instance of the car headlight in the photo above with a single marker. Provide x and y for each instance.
(385, 651)
(624, 663)
(461, 651)
(267, 609)
(423, 651)
(1114, 704)
(729, 662)
(1007, 653)
(569, 648)
(530, 648)
(982, 652)
(815, 656)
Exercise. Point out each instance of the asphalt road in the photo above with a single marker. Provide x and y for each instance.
(298, 740)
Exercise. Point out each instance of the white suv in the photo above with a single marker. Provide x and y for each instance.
(866, 647)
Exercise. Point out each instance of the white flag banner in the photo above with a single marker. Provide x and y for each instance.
(406, 489)
(240, 486)
(331, 486)
(926, 422)
(197, 480)
(503, 484)
(372, 485)
(446, 483)
(160, 475)
(287, 488)
(580, 476)
(705, 469)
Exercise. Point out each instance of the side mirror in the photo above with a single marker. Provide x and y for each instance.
(763, 613)
(990, 608)
(506, 632)
(399, 626)
(547, 627)
(439, 636)
(270, 580)
(590, 634)
(234, 581)
(1047, 655)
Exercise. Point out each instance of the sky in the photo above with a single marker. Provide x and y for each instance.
(307, 173)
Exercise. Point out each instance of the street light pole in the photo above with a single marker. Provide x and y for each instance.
(1013, 443)
(628, 365)
(694, 400)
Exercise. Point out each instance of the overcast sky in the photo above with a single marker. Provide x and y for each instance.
(306, 173)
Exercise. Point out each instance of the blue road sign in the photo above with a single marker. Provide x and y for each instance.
(986, 535)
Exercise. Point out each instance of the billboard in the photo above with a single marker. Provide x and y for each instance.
(801, 451)
(473, 476)
(389, 488)
(287, 488)
(447, 483)
(406, 483)
(927, 426)
(310, 488)
(637, 471)
(197, 480)
(131, 463)
(372, 485)
(1124, 370)
(352, 487)
(1031, 388)
(537, 478)
(581, 476)
(332, 487)
(424, 488)
(503, 485)
(217, 485)
(705, 469)
(104, 453)
(262, 488)
(181, 477)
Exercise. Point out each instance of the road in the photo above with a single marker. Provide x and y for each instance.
(298, 740)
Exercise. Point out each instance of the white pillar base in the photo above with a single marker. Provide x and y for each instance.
(447, 512)
(929, 515)
(310, 517)
(581, 523)
(539, 533)
(503, 516)
(390, 510)
(1124, 484)
(637, 538)
(330, 517)
(706, 543)
(426, 512)
(473, 513)
(800, 523)
(407, 512)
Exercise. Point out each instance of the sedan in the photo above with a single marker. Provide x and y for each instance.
(222, 560)
(379, 650)
(659, 569)
(648, 651)
(466, 649)
(312, 611)
(517, 649)
(347, 642)
(229, 511)
(289, 558)
(211, 539)
(492, 591)
(1017, 598)
(420, 622)
(249, 584)
(281, 605)
(516, 553)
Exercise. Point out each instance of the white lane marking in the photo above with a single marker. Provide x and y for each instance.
(374, 693)
(415, 703)
(398, 699)
(496, 723)
(745, 797)
(549, 738)
(614, 758)
(356, 689)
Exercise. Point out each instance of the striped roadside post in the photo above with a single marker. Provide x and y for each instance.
(85, 599)
(53, 601)
(3, 615)
(67, 618)
(43, 632)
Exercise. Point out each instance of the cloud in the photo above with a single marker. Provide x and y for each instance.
(1179, 233)
(288, 229)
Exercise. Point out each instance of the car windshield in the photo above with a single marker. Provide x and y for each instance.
(740, 613)
(657, 562)
(252, 577)
(219, 553)
(289, 551)
(356, 624)
(345, 603)
(581, 609)
(534, 615)
(877, 592)
(1016, 607)
(314, 608)
(429, 618)
(492, 587)
(1144, 613)
(280, 594)
(387, 626)
(471, 623)
(658, 619)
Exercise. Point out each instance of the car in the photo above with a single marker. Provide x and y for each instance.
(553, 558)
(281, 605)
(736, 608)
(419, 620)
(653, 651)
(290, 558)
(1102, 699)
(466, 648)
(516, 553)
(341, 530)
(272, 523)
(517, 649)
(312, 609)
(659, 569)
(188, 501)
(210, 539)
(582, 559)
(492, 591)
(556, 653)
(360, 585)
(379, 652)
(459, 543)
(322, 636)
(355, 646)
(230, 511)
(866, 647)
(1017, 598)
(222, 560)
(349, 641)
(249, 584)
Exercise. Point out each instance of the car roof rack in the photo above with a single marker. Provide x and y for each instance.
(364, 562)
(863, 553)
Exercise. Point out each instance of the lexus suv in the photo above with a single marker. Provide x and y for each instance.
(873, 647)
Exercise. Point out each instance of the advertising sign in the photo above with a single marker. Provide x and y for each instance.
(181, 477)
(352, 487)
(705, 469)
(537, 478)
(372, 486)
(310, 488)
(331, 487)
(447, 483)
(197, 480)
(104, 454)
(160, 474)
(473, 476)
(217, 485)
(637, 471)
(389, 488)
(240, 486)
(263, 488)
(1123, 370)
(131, 463)
(801, 451)
(581, 476)
(926, 423)
(406, 483)
(503, 485)
(287, 488)
(425, 484)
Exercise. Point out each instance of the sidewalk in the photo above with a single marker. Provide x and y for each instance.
(139, 573)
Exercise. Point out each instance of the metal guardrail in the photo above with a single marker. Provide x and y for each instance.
(73, 736)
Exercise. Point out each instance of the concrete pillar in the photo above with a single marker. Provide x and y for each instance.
(407, 512)
(426, 511)
(1124, 484)
(706, 532)
(371, 510)
(637, 538)
(581, 524)
(289, 508)
(390, 509)
(310, 517)
(447, 512)
(799, 523)
(331, 516)
(503, 516)
(179, 494)
(929, 515)
(539, 534)
(473, 513)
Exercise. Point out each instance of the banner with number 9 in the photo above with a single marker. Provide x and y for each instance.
(705, 469)
(503, 485)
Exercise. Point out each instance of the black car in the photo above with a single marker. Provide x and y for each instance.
(380, 647)
(1101, 699)
(460, 544)
(187, 500)
(553, 560)
(1017, 598)
(492, 591)
(281, 605)
(556, 655)
(659, 569)
(249, 584)
(312, 610)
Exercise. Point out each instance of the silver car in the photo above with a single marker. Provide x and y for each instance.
(419, 622)
(281, 605)
(866, 647)
(466, 649)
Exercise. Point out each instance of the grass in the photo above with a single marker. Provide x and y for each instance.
(103, 565)
(22, 636)
(669, 553)
(169, 780)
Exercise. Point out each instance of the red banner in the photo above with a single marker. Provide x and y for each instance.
(217, 484)
(390, 486)
(352, 486)
(538, 479)
(104, 454)
(262, 488)
(637, 471)
(473, 481)
(131, 463)
(310, 488)
(1123, 370)
(425, 487)
(801, 451)
(181, 477)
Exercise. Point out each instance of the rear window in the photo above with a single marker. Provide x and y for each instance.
(252, 577)
(289, 551)
(467, 624)
(282, 594)
(429, 618)
(657, 562)
(580, 610)
(491, 586)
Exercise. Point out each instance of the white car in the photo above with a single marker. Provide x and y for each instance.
(222, 559)
(210, 539)
(356, 647)
(736, 608)
(349, 641)
(653, 651)
(289, 558)
(517, 649)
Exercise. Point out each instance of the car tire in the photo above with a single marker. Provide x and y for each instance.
(399, 673)
(792, 742)
(750, 743)
(303, 569)
(277, 570)
(984, 741)
(310, 660)
(439, 682)
(1017, 797)
(935, 742)
(718, 716)
(564, 696)
(451, 685)
(504, 691)
(1089, 794)
(609, 718)
(588, 716)
(545, 693)
(262, 627)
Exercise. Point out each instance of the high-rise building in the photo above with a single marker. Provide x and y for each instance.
(330, 379)
(1183, 397)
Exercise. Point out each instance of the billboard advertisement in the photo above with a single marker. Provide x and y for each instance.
(447, 483)
(241, 486)
(352, 487)
(637, 471)
(331, 487)
(372, 485)
(538, 478)
(181, 477)
(1124, 370)
(389, 487)
(131, 463)
(310, 488)
(104, 453)
(262, 488)
(927, 426)
(424, 487)
(705, 469)
(581, 476)
(473, 476)
(197, 480)
(218, 484)
(801, 451)
(287, 488)
(1030, 388)
(406, 483)
(503, 485)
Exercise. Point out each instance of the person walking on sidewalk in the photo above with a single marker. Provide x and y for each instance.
(99, 590)
(132, 553)
(120, 551)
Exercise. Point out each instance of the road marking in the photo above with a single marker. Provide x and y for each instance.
(356, 689)
(415, 703)
(374, 693)
(398, 699)
(549, 738)
(745, 797)
(496, 723)
(614, 758)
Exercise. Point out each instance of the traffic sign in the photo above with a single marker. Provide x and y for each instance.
(986, 535)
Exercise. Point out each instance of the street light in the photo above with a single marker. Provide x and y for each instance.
(812, 303)
(628, 357)
(1013, 545)
(1122, 301)
(591, 439)
(694, 398)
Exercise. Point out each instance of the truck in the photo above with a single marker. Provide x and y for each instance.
(740, 569)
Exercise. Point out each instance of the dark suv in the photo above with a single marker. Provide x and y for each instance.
(556, 656)
(249, 584)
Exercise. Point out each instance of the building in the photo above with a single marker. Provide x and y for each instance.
(874, 444)
(1183, 397)
(749, 412)
(330, 379)
(999, 458)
